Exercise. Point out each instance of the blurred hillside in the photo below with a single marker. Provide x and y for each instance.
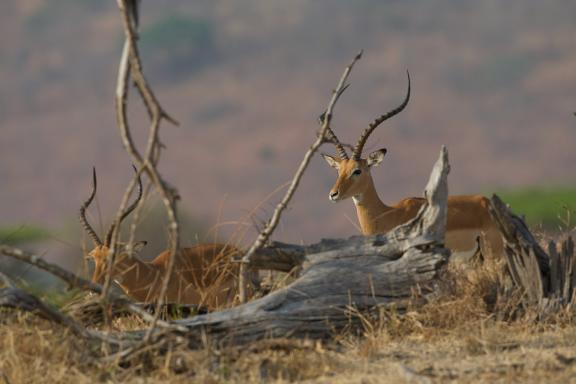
(494, 81)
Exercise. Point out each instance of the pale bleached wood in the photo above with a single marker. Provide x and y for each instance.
(528, 264)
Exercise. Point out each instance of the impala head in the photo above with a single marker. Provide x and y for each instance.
(353, 175)
(354, 172)
(101, 249)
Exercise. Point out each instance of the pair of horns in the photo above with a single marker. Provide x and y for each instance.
(91, 232)
(357, 150)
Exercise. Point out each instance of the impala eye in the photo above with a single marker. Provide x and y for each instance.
(357, 172)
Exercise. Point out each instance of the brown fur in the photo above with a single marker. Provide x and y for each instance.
(468, 215)
(203, 275)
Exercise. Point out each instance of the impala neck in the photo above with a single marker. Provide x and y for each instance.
(369, 208)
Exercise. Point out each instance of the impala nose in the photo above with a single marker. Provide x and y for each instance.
(333, 195)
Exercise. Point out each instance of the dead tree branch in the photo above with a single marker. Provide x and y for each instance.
(279, 256)
(273, 222)
(131, 67)
(78, 282)
(12, 297)
(6, 281)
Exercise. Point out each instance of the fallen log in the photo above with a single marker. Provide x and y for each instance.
(342, 278)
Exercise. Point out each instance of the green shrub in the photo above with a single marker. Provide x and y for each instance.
(22, 234)
(546, 206)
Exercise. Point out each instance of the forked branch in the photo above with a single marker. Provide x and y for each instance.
(274, 220)
(131, 67)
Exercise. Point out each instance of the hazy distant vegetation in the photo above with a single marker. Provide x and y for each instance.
(488, 77)
(22, 234)
(176, 46)
(47, 15)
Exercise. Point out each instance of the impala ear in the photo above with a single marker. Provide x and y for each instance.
(376, 157)
(332, 161)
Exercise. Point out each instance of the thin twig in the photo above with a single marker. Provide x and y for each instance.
(136, 216)
(274, 220)
(113, 251)
(78, 282)
(7, 281)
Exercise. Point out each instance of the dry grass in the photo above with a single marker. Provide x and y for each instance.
(470, 332)
(481, 350)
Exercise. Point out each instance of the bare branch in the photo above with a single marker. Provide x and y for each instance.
(16, 298)
(136, 216)
(130, 65)
(271, 226)
(6, 281)
(78, 282)
(332, 136)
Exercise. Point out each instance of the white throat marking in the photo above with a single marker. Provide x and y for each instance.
(357, 199)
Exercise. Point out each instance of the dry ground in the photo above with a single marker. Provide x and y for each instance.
(33, 351)
(471, 335)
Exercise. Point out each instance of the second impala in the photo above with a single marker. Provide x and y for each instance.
(203, 274)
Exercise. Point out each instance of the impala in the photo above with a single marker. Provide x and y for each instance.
(468, 216)
(203, 274)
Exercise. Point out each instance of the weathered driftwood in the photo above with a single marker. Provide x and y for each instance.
(562, 271)
(547, 280)
(341, 278)
(527, 262)
(279, 256)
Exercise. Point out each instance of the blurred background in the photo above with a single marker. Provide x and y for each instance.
(495, 81)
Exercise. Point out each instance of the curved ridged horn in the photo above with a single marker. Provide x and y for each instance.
(331, 135)
(360, 145)
(334, 140)
(128, 210)
(83, 208)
